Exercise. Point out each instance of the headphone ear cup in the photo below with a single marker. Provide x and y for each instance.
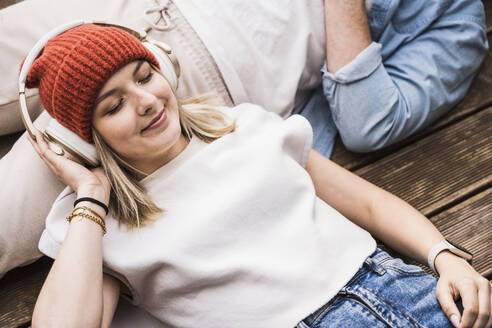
(72, 146)
(167, 61)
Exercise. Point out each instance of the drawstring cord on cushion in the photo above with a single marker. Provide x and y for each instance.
(163, 10)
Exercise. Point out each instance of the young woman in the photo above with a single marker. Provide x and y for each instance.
(220, 217)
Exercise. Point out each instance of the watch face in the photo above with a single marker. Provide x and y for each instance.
(461, 251)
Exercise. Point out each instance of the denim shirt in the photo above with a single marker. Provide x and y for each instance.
(423, 58)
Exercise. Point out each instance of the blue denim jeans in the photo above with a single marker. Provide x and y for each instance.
(422, 61)
(385, 292)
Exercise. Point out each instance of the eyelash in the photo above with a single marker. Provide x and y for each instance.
(115, 108)
(146, 78)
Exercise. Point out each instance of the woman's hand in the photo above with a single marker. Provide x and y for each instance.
(85, 182)
(459, 279)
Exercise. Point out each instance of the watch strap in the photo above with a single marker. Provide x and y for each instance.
(446, 245)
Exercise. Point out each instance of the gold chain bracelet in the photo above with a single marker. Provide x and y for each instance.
(95, 218)
(87, 209)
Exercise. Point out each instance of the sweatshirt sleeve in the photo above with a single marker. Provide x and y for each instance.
(297, 138)
(56, 224)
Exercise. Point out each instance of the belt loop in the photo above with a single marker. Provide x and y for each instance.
(375, 266)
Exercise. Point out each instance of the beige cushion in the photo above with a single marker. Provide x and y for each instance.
(28, 191)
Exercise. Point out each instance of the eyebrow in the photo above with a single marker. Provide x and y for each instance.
(113, 91)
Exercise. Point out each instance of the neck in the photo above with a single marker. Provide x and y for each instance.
(148, 165)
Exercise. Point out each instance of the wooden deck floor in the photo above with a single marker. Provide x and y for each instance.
(445, 172)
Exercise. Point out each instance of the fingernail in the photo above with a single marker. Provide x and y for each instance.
(455, 320)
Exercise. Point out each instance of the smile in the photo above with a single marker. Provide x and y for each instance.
(156, 121)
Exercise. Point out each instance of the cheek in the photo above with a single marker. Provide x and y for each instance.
(161, 88)
(116, 131)
(163, 93)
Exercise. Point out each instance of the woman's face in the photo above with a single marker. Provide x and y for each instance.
(136, 113)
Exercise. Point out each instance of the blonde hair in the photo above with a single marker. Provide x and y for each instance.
(129, 202)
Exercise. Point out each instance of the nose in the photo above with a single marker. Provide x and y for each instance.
(145, 101)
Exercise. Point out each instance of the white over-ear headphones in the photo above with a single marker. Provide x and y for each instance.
(63, 141)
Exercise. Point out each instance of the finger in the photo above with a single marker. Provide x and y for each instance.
(42, 144)
(46, 152)
(43, 148)
(483, 304)
(37, 148)
(469, 299)
(445, 298)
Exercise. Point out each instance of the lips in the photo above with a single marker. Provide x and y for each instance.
(155, 121)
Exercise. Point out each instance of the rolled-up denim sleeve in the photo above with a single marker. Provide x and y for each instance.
(376, 102)
(360, 68)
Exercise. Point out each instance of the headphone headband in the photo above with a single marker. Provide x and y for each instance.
(62, 140)
(38, 47)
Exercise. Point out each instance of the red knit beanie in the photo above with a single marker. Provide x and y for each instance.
(73, 67)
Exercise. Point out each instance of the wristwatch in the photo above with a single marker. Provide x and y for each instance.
(446, 245)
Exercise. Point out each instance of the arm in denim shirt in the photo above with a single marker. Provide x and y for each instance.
(414, 73)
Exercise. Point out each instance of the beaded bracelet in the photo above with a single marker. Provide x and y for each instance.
(95, 218)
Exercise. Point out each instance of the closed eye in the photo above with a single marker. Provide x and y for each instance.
(115, 108)
(146, 78)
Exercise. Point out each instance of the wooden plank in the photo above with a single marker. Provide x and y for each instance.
(469, 224)
(439, 169)
(488, 12)
(18, 292)
(478, 96)
(6, 3)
